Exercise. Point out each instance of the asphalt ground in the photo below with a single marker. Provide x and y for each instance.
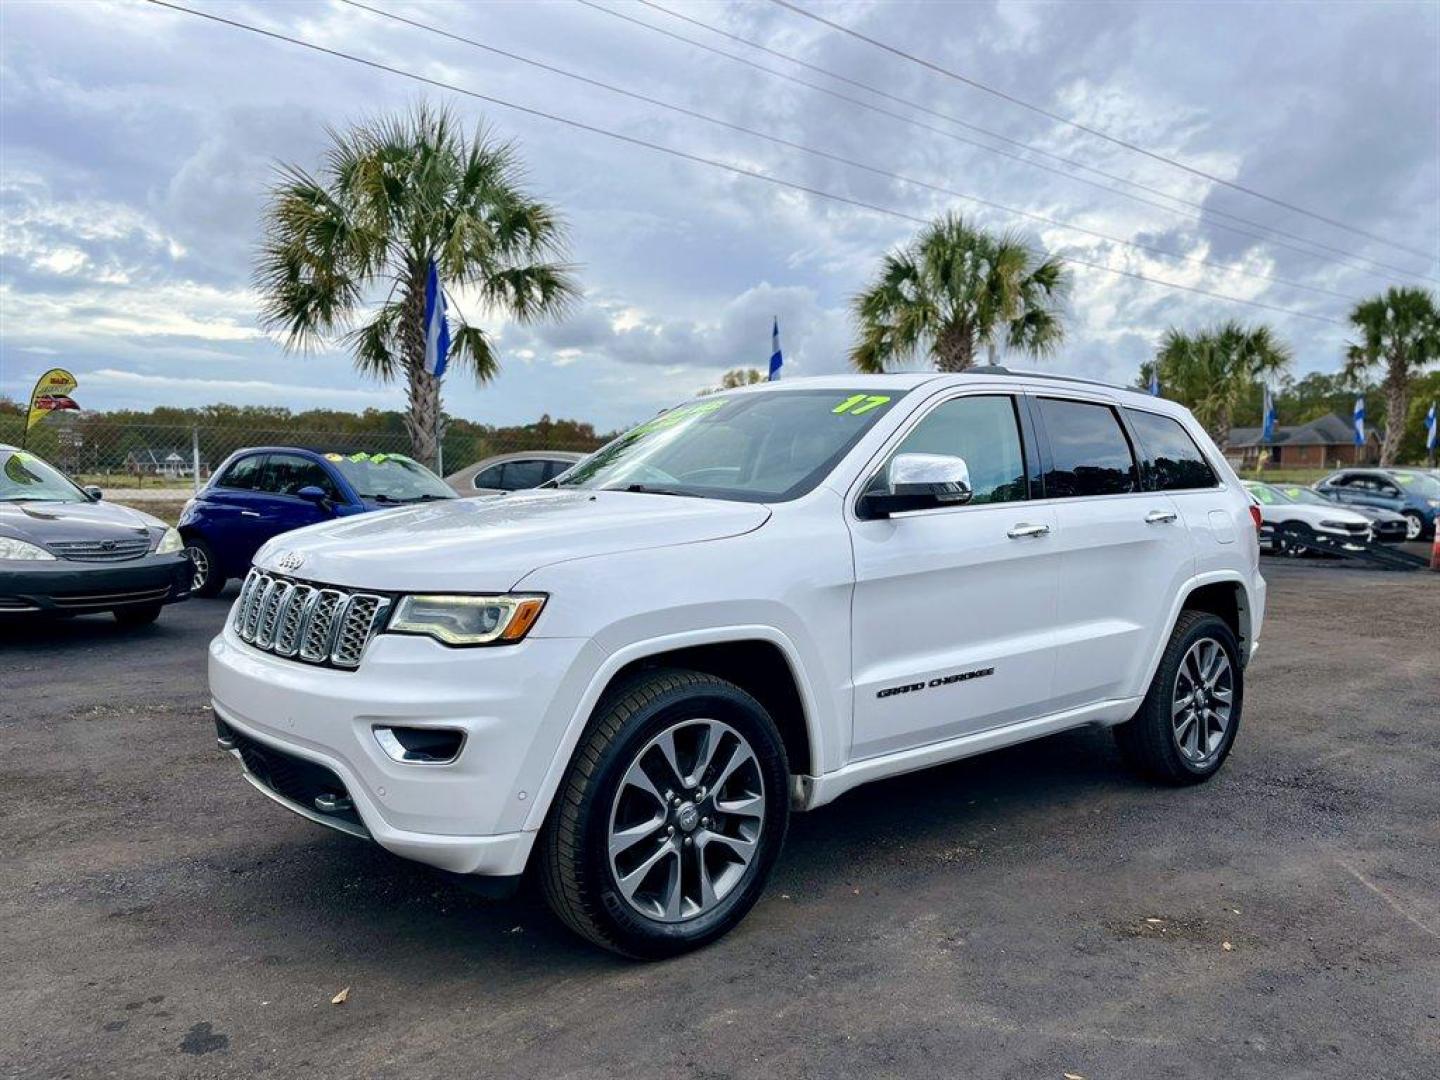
(1033, 913)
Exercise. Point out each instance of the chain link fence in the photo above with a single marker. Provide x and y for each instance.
(130, 457)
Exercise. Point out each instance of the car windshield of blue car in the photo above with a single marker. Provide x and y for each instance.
(390, 478)
(25, 478)
(1418, 484)
(757, 446)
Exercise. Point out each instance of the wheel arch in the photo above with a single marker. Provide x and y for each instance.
(1223, 593)
(761, 660)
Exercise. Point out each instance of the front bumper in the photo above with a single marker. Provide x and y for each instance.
(467, 816)
(71, 587)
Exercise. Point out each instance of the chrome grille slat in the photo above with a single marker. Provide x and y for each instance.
(292, 617)
(320, 631)
(313, 623)
(275, 597)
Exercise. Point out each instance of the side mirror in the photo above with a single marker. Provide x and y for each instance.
(919, 482)
(314, 494)
(93, 493)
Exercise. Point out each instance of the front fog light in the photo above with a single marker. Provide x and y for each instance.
(467, 620)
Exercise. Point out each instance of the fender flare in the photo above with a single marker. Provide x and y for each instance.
(1213, 577)
(639, 650)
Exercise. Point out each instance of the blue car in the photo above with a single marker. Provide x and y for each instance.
(267, 490)
(1411, 492)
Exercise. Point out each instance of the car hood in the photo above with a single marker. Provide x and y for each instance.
(47, 522)
(489, 544)
(1376, 513)
(1311, 514)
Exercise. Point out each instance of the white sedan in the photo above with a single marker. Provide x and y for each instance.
(1292, 525)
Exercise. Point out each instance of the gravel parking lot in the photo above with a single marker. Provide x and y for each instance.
(1032, 913)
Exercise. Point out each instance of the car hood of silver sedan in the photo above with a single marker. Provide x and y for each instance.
(489, 544)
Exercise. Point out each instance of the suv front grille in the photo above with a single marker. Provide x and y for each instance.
(313, 623)
(101, 550)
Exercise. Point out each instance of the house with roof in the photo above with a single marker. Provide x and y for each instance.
(1324, 443)
(151, 462)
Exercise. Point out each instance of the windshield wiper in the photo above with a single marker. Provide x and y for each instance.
(646, 489)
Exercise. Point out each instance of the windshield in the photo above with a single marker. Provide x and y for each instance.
(389, 477)
(1266, 495)
(1418, 483)
(25, 478)
(1298, 493)
(764, 446)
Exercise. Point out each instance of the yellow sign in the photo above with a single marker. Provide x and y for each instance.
(51, 394)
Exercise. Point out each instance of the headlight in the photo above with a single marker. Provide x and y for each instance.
(1434, 504)
(170, 543)
(20, 551)
(467, 620)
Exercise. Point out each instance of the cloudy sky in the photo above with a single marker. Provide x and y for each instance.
(136, 145)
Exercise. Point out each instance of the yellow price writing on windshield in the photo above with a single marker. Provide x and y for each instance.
(856, 404)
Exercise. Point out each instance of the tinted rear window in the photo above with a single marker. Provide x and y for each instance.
(1089, 452)
(1172, 460)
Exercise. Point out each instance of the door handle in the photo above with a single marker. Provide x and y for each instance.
(1160, 517)
(249, 513)
(1019, 532)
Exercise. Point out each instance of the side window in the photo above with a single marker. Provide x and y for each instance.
(523, 474)
(1390, 491)
(985, 432)
(487, 478)
(1171, 457)
(1089, 451)
(244, 475)
(555, 468)
(288, 473)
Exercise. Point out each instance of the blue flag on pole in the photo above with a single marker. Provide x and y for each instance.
(1432, 424)
(1155, 381)
(1359, 421)
(1270, 416)
(437, 330)
(776, 360)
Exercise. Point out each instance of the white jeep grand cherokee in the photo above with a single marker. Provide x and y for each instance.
(628, 679)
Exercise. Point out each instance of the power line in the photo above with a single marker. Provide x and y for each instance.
(1058, 118)
(684, 155)
(1346, 258)
(827, 155)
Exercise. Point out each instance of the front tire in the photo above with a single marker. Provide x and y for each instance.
(205, 577)
(1187, 724)
(1414, 525)
(1292, 539)
(670, 817)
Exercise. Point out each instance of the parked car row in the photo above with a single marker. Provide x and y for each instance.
(1353, 507)
(65, 551)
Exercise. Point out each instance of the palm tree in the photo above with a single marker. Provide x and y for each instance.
(953, 289)
(1211, 371)
(346, 253)
(1401, 330)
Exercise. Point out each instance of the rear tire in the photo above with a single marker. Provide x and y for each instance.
(670, 817)
(205, 579)
(143, 615)
(1178, 737)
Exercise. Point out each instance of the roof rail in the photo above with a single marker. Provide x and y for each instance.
(1049, 376)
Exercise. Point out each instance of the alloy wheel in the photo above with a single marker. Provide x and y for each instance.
(686, 820)
(1203, 702)
(199, 568)
(1414, 526)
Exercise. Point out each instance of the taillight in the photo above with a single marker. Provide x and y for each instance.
(1255, 516)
